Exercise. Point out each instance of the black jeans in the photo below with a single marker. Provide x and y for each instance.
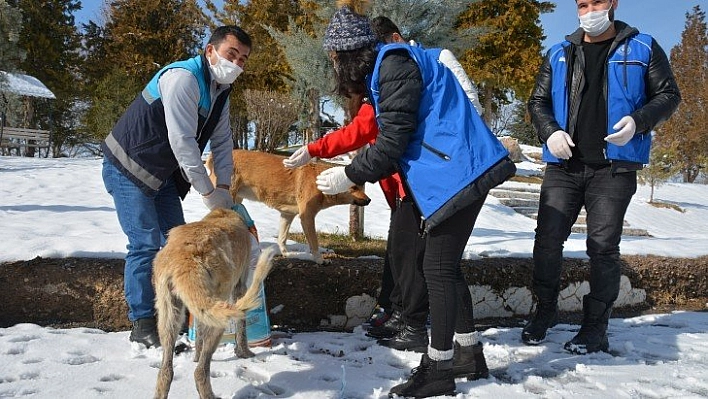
(405, 248)
(448, 292)
(606, 196)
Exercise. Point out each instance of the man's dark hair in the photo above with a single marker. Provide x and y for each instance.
(220, 33)
(384, 28)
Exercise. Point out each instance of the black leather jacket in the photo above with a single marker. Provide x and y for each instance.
(663, 96)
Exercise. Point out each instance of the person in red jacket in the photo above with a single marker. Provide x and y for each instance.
(404, 244)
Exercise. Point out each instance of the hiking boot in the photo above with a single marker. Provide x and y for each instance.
(469, 362)
(546, 316)
(592, 336)
(145, 332)
(430, 378)
(410, 338)
(388, 329)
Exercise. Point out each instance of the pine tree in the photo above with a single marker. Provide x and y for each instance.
(145, 35)
(267, 68)
(139, 38)
(10, 54)
(51, 42)
(10, 25)
(686, 131)
(431, 23)
(505, 62)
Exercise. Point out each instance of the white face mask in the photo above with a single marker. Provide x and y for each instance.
(596, 23)
(225, 71)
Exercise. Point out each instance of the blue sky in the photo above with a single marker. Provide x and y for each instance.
(661, 18)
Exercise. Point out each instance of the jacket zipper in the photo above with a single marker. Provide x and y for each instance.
(436, 151)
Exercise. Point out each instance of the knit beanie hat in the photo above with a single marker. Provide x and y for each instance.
(349, 29)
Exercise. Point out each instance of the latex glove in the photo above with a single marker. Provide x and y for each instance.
(559, 144)
(218, 198)
(299, 158)
(626, 127)
(333, 181)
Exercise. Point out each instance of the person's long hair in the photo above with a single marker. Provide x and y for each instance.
(351, 70)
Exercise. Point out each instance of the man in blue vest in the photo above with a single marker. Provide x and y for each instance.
(598, 96)
(153, 157)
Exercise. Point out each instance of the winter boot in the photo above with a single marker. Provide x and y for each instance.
(410, 338)
(391, 327)
(592, 336)
(145, 332)
(546, 316)
(469, 362)
(430, 378)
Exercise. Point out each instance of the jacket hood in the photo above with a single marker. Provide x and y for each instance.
(623, 31)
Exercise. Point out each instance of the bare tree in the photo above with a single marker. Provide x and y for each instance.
(272, 113)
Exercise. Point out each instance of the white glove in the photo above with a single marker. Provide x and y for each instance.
(559, 144)
(219, 198)
(333, 181)
(299, 158)
(626, 127)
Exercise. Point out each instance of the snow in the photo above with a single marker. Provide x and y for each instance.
(25, 85)
(59, 208)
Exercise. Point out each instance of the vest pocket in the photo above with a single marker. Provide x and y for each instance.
(435, 151)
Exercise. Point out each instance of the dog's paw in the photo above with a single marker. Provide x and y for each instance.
(243, 353)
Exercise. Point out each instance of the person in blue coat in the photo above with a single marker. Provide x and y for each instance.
(598, 96)
(152, 157)
(448, 160)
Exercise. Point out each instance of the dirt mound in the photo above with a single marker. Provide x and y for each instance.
(89, 292)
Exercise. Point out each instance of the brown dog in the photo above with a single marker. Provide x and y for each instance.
(203, 265)
(259, 176)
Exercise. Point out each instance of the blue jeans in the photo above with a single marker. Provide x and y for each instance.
(606, 196)
(145, 219)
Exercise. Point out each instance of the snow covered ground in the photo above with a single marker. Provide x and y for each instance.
(59, 208)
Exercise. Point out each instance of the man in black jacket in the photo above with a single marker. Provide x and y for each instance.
(598, 96)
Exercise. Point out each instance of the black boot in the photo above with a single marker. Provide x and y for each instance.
(410, 338)
(592, 336)
(145, 332)
(546, 316)
(391, 327)
(469, 362)
(430, 378)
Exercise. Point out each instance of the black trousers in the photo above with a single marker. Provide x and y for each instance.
(405, 249)
(448, 292)
(606, 196)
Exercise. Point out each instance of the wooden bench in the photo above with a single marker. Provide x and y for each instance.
(20, 139)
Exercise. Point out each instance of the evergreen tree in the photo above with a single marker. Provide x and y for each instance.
(520, 127)
(145, 35)
(139, 38)
(10, 24)
(686, 131)
(505, 62)
(431, 23)
(267, 68)
(51, 42)
(10, 54)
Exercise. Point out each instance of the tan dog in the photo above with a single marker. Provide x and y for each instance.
(203, 265)
(259, 176)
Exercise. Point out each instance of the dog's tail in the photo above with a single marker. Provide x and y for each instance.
(220, 312)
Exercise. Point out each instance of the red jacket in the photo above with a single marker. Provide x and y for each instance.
(362, 130)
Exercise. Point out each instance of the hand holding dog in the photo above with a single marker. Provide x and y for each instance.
(627, 127)
(298, 158)
(559, 144)
(218, 198)
(333, 181)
